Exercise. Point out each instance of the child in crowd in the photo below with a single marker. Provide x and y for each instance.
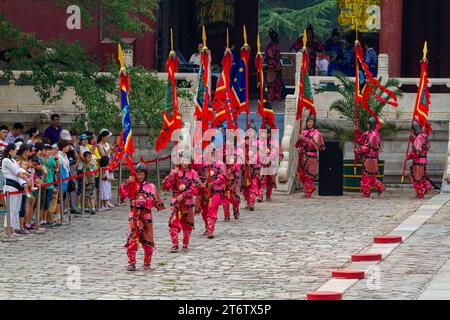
(323, 62)
(107, 178)
(90, 165)
(49, 160)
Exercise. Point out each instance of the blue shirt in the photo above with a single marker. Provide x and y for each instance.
(371, 58)
(53, 134)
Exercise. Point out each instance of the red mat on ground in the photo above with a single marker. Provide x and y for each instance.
(324, 295)
(349, 274)
(388, 239)
(367, 257)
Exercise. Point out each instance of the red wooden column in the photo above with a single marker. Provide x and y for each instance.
(391, 34)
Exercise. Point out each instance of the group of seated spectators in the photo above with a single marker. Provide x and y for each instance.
(338, 53)
(45, 159)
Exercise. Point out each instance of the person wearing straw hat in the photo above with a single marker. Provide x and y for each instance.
(144, 197)
(184, 182)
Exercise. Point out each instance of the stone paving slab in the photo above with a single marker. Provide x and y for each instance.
(417, 269)
(280, 251)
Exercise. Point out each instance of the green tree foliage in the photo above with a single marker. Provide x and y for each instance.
(57, 66)
(346, 107)
(292, 17)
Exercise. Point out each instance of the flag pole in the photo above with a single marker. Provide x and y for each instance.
(355, 121)
(246, 47)
(302, 77)
(424, 59)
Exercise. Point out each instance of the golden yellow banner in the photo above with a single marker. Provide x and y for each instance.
(361, 15)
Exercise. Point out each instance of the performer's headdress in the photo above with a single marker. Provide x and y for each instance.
(140, 167)
(252, 125)
(416, 128)
(274, 37)
(309, 118)
(373, 123)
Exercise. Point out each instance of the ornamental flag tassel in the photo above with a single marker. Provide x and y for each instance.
(125, 147)
(170, 124)
(305, 95)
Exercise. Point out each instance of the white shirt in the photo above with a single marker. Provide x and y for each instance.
(322, 64)
(3, 145)
(83, 149)
(64, 161)
(10, 169)
(195, 59)
(10, 138)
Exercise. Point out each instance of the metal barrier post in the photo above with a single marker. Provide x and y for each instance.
(8, 216)
(100, 182)
(120, 182)
(37, 222)
(83, 192)
(158, 176)
(61, 199)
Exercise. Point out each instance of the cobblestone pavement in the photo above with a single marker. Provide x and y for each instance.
(280, 251)
(409, 269)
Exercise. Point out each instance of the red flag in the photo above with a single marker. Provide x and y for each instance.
(170, 124)
(422, 107)
(165, 135)
(222, 102)
(366, 84)
(305, 96)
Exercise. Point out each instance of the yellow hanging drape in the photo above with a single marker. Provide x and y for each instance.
(363, 15)
(210, 12)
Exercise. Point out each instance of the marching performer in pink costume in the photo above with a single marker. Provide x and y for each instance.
(251, 175)
(232, 191)
(215, 177)
(268, 182)
(144, 197)
(420, 147)
(309, 145)
(184, 183)
(202, 199)
(369, 151)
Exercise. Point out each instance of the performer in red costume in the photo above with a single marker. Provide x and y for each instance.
(215, 176)
(232, 190)
(267, 181)
(144, 197)
(308, 146)
(251, 175)
(369, 152)
(202, 199)
(420, 147)
(184, 183)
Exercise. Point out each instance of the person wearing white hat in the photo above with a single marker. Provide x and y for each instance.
(65, 135)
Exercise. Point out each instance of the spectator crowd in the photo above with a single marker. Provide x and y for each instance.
(31, 159)
(337, 54)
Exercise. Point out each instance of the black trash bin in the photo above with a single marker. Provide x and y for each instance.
(331, 170)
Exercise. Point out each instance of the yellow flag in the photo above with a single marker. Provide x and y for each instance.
(121, 58)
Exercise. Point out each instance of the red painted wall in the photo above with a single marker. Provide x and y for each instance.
(48, 22)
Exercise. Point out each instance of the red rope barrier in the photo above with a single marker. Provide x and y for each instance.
(3, 195)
